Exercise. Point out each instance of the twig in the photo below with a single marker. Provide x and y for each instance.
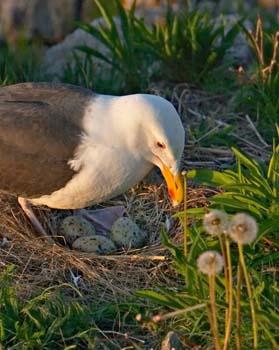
(241, 138)
(195, 113)
(204, 136)
(125, 335)
(259, 39)
(255, 130)
(178, 312)
(218, 151)
(180, 101)
(125, 257)
(200, 164)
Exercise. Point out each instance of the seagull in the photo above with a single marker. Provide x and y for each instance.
(66, 147)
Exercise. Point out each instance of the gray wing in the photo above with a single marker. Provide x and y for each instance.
(40, 128)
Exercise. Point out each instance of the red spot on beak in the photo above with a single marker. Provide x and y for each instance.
(171, 193)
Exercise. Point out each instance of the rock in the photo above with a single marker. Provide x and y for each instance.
(4, 242)
(52, 20)
(125, 233)
(49, 20)
(146, 4)
(269, 3)
(74, 227)
(58, 57)
(96, 244)
(88, 10)
(239, 52)
(172, 342)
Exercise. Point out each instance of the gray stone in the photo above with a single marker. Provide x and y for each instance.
(49, 20)
(239, 52)
(172, 342)
(146, 4)
(59, 56)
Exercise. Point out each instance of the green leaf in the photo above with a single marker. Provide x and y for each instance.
(269, 316)
(162, 299)
(175, 250)
(247, 161)
(243, 187)
(273, 166)
(261, 182)
(191, 212)
(124, 22)
(236, 203)
(211, 177)
(266, 226)
(93, 52)
(107, 17)
(245, 199)
(270, 259)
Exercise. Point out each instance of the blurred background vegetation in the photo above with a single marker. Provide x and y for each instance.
(204, 43)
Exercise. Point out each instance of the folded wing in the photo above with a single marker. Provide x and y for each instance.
(40, 129)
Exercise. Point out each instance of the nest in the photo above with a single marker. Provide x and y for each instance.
(40, 264)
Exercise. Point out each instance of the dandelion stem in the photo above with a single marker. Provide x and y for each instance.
(250, 295)
(223, 249)
(213, 316)
(229, 292)
(238, 313)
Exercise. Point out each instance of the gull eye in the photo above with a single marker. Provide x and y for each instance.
(161, 145)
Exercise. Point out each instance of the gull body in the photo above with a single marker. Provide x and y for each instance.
(65, 147)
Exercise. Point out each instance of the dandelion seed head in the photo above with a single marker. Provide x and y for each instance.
(210, 262)
(216, 222)
(243, 228)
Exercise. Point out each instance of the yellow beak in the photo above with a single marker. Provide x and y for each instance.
(175, 185)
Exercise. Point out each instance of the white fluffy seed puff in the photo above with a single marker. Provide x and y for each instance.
(216, 222)
(210, 262)
(243, 228)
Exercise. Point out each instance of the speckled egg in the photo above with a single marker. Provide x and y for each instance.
(94, 244)
(73, 227)
(125, 233)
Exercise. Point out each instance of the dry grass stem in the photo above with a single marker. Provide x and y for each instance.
(250, 295)
(179, 312)
(253, 127)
